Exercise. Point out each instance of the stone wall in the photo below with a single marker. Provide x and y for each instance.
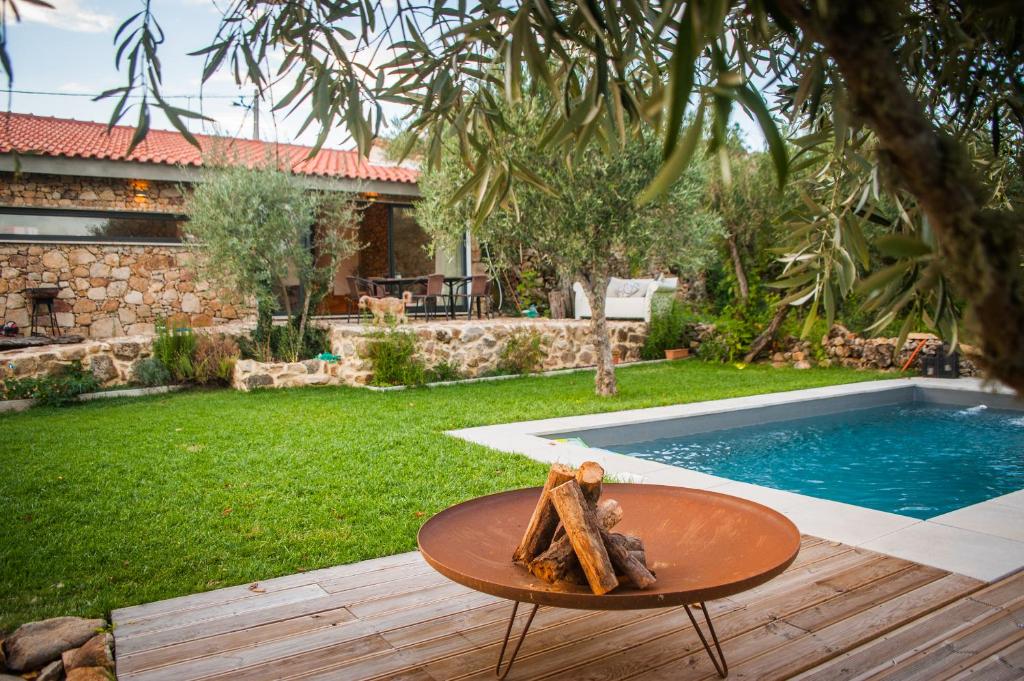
(842, 347)
(105, 289)
(110, 290)
(848, 349)
(111, 361)
(473, 348)
(94, 193)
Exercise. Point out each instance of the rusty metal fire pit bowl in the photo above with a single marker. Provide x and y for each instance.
(702, 545)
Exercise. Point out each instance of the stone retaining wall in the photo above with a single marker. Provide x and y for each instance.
(111, 361)
(473, 348)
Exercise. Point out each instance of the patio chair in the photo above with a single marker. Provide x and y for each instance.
(434, 292)
(357, 288)
(479, 290)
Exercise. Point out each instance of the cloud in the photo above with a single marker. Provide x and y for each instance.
(69, 15)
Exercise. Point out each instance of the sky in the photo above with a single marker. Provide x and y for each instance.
(70, 51)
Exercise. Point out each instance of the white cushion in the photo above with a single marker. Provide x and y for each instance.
(627, 288)
(668, 283)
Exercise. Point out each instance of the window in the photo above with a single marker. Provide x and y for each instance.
(410, 256)
(33, 224)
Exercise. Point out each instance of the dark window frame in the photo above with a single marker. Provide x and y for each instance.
(87, 213)
(391, 240)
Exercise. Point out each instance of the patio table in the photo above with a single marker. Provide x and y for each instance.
(400, 284)
(701, 545)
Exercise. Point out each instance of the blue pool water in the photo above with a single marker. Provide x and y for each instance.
(916, 460)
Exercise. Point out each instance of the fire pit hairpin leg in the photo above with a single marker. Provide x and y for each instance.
(721, 666)
(508, 632)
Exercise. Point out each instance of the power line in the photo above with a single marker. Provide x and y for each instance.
(93, 96)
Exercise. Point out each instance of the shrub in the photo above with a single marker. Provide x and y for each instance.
(669, 326)
(531, 291)
(175, 347)
(56, 390)
(523, 353)
(729, 342)
(393, 356)
(444, 371)
(214, 360)
(280, 343)
(151, 372)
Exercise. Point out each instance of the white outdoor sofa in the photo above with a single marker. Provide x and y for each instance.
(627, 298)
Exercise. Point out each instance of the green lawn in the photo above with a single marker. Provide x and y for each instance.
(113, 503)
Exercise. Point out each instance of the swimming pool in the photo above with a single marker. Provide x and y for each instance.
(915, 459)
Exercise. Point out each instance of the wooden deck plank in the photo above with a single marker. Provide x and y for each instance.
(964, 648)
(1006, 665)
(235, 608)
(195, 628)
(837, 613)
(138, 613)
(763, 615)
(890, 650)
(800, 654)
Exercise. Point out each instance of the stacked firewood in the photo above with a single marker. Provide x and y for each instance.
(569, 537)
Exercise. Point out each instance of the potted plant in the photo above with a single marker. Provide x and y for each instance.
(668, 330)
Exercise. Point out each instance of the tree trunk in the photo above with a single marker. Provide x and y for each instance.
(737, 263)
(768, 334)
(980, 248)
(596, 288)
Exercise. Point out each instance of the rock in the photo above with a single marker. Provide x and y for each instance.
(54, 260)
(802, 364)
(190, 303)
(103, 368)
(312, 366)
(88, 674)
(52, 672)
(80, 256)
(36, 644)
(96, 652)
(126, 350)
(258, 381)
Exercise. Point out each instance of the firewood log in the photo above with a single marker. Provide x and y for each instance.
(618, 550)
(640, 556)
(590, 476)
(559, 561)
(544, 519)
(631, 542)
(584, 533)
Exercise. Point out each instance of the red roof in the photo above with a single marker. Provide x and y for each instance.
(63, 137)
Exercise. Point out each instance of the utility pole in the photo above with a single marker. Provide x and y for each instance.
(256, 114)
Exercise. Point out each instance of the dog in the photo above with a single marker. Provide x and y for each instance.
(380, 308)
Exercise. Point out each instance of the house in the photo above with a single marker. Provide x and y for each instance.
(80, 213)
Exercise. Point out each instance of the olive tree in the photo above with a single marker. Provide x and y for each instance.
(255, 230)
(580, 217)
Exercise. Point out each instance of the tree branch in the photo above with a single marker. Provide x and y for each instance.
(981, 247)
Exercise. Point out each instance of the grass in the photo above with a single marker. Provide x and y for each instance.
(124, 501)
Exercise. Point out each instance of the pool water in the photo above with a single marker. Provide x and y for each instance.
(917, 460)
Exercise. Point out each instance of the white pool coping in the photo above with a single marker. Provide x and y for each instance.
(984, 541)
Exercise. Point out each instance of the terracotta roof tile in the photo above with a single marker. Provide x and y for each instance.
(31, 134)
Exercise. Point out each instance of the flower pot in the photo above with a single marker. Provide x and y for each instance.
(677, 353)
(616, 357)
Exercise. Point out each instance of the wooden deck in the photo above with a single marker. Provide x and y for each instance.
(837, 613)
